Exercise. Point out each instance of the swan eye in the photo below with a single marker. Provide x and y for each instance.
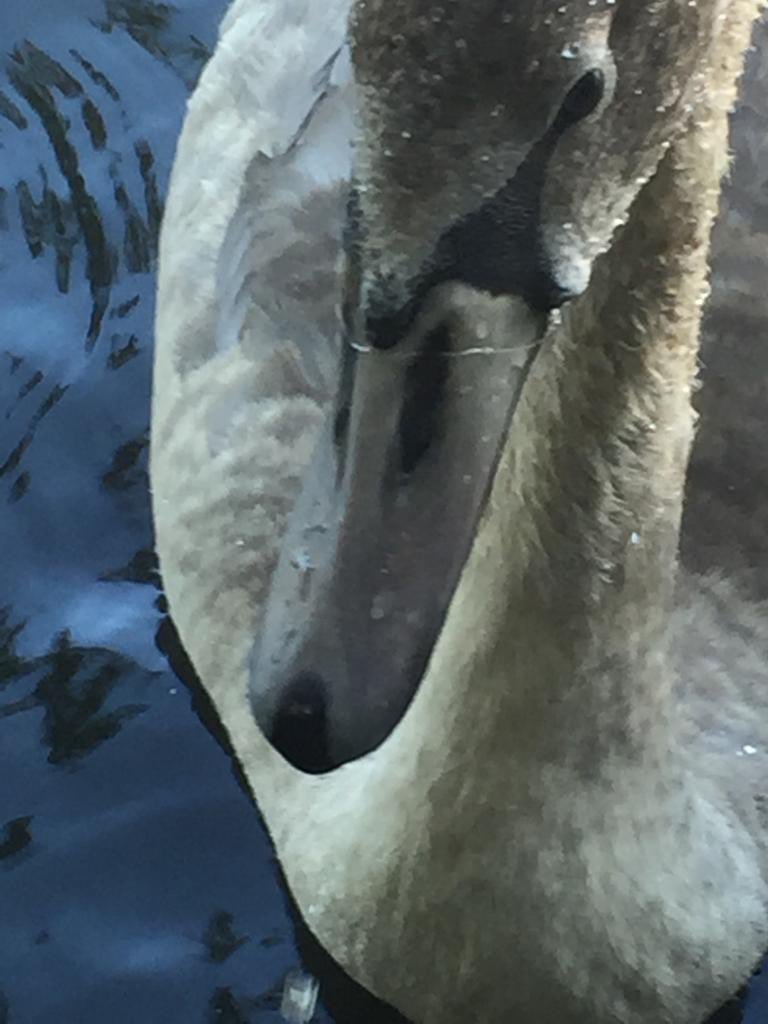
(584, 96)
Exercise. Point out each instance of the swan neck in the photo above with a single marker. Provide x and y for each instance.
(578, 547)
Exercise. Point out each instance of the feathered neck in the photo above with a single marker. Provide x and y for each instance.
(564, 601)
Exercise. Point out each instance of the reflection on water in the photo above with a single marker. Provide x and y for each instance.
(135, 881)
(136, 884)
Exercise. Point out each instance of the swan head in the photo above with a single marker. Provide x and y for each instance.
(500, 145)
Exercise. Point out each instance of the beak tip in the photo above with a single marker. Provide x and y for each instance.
(297, 726)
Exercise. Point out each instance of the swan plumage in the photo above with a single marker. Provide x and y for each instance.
(505, 850)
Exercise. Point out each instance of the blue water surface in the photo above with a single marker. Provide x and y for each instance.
(136, 883)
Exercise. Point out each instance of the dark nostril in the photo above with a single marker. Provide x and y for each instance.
(299, 727)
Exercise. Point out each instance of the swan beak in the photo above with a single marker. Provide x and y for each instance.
(381, 532)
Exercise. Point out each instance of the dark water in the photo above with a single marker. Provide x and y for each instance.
(136, 884)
